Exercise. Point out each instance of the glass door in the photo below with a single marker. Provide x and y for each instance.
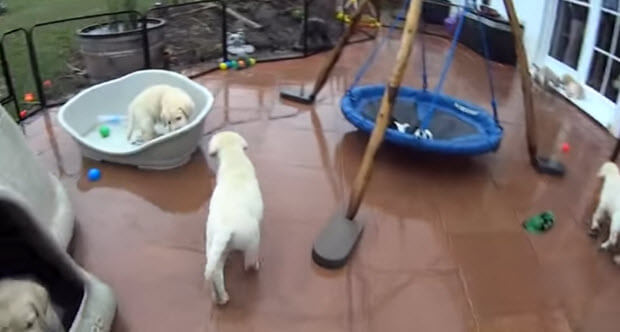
(568, 31)
(605, 63)
(584, 44)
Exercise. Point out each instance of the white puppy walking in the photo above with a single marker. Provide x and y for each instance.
(235, 211)
(158, 105)
(609, 204)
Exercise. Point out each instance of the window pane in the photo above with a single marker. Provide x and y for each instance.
(597, 70)
(570, 23)
(617, 52)
(605, 31)
(610, 4)
(611, 92)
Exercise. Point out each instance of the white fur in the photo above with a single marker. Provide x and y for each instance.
(609, 204)
(574, 90)
(25, 306)
(157, 110)
(402, 127)
(545, 77)
(235, 211)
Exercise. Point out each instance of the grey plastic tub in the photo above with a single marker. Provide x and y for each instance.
(23, 180)
(36, 225)
(79, 117)
(28, 250)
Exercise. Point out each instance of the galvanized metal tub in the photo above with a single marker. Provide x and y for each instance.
(109, 54)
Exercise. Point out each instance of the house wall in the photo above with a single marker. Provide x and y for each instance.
(531, 13)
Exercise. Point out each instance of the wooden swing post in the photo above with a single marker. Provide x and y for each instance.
(299, 96)
(387, 104)
(334, 245)
(541, 163)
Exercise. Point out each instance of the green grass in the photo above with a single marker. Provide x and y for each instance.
(54, 44)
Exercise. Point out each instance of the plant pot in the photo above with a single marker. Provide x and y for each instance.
(110, 54)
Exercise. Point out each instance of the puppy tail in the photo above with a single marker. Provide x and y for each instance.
(215, 252)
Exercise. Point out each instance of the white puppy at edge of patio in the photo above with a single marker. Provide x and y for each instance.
(235, 211)
(25, 306)
(608, 206)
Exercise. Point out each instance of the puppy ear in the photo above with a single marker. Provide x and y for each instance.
(214, 147)
(184, 112)
(40, 300)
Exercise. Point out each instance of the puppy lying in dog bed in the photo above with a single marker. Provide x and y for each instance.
(27, 251)
(36, 273)
(26, 306)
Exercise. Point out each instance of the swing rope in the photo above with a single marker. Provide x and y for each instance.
(487, 63)
(444, 70)
(424, 73)
(447, 62)
(364, 68)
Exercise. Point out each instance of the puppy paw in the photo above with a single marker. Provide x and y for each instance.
(138, 141)
(606, 245)
(617, 259)
(593, 232)
(253, 267)
(223, 300)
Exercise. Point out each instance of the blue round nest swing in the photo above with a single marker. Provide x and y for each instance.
(427, 120)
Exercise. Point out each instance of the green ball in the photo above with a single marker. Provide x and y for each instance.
(104, 131)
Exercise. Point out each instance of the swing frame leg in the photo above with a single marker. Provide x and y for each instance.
(297, 94)
(542, 164)
(337, 240)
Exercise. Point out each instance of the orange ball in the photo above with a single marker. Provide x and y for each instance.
(241, 63)
(28, 97)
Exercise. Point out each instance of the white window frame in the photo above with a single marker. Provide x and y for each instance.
(594, 104)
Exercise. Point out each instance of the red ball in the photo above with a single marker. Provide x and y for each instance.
(23, 113)
(565, 147)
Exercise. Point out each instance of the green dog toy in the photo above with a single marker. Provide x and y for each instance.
(539, 223)
(104, 131)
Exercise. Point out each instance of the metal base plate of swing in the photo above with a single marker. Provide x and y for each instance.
(334, 245)
(297, 94)
(549, 166)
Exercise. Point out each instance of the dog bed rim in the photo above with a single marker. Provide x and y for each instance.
(138, 148)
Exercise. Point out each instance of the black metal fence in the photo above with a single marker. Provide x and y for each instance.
(195, 43)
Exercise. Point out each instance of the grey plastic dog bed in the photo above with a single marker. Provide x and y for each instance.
(80, 117)
(23, 180)
(35, 228)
